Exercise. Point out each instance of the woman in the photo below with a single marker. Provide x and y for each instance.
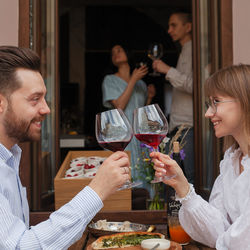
(125, 90)
(223, 222)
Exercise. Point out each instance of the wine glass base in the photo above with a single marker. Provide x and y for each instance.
(160, 179)
(130, 185)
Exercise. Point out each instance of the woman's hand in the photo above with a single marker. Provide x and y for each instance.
(139, 73)
(122, 101)
(165, 166)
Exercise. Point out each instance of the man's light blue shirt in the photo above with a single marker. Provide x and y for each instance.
(61, 230)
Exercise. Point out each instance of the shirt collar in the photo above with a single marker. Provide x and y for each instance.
(11, 157)
(235, 154)
(187, 44)
(245, 162)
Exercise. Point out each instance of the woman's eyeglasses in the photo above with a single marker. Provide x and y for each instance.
(212, 104)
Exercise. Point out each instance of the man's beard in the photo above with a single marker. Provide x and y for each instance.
(17, 128)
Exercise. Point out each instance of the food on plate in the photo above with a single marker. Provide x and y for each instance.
(126, 226)
(101, 225)
(151, 228)
(104, 227)
(109, 226)
(121, 240)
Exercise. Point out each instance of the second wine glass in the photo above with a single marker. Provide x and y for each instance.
(150, 127)
(155, 51)
(114, 132)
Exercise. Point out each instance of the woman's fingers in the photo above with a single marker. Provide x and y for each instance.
(143, 69)
(160, 157)
(164, 165)
(158, 165)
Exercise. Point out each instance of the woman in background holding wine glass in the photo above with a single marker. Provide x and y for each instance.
(126, 90)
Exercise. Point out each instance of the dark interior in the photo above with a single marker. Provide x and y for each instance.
(131, 24)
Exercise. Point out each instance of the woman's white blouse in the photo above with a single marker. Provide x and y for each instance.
(224, 221)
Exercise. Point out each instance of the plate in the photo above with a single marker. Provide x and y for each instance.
(115, 227)
(173, 246)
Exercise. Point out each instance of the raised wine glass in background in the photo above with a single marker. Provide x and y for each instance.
(114, 132)
(150, 127)
(155, 51)
(140, 64)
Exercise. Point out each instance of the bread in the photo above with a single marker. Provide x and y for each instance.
(121, 240)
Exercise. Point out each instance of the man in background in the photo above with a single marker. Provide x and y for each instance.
(181, 79)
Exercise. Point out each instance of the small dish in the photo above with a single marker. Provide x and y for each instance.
(116, 227)
(151, 243)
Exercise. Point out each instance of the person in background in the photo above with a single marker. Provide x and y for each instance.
(22, 111)
(181, 79)
(223, 222)
(126, 90)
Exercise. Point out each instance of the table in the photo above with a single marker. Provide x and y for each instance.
(157, 218)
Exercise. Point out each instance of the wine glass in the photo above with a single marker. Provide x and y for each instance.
(114, 132)
(150, 127)
(155, 51)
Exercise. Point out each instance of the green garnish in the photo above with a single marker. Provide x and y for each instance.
(133, 240)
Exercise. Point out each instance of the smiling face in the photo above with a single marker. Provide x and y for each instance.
(232, 119)
(228, 119)
(118, 55)
(25, 109)
(178, 29)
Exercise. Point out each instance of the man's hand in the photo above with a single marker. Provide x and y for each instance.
(111, 175)
(160, 66)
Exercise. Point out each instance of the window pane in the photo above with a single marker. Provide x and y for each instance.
(42, 40)
(207, 63)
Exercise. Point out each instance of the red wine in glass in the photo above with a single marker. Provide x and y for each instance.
(152, 140)
(114, 145)
(114, 132)
(150, 127)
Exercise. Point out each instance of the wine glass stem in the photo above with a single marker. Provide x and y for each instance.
(154, 72)
(156, 149)
(156, 179)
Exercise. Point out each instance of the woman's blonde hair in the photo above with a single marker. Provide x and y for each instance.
(233, 81)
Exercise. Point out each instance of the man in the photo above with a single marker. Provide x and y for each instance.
(181, 78)
(22, 110)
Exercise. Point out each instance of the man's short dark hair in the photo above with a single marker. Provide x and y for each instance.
(11, 59)
(184, 15)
